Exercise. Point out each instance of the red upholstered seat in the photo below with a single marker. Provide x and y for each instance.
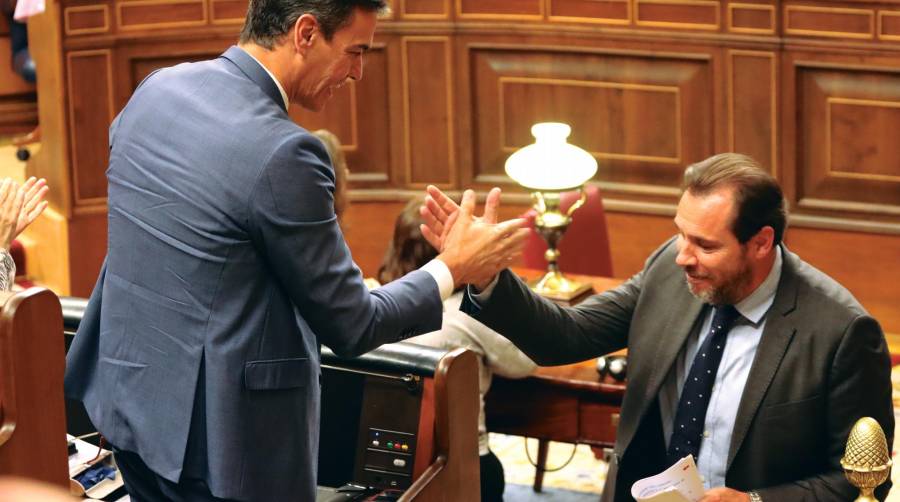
(17, 251)
(585, 246)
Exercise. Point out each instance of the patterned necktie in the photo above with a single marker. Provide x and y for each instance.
(687, 430)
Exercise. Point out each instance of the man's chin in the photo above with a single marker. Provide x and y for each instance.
(706, 295)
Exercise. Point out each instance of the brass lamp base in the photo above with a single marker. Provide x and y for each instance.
(555, 286)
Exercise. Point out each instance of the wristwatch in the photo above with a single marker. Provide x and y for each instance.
(754, 497)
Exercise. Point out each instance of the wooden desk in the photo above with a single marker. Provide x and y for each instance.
(568, 403)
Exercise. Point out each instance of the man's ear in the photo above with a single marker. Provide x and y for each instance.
(305, 32)
(763, 241)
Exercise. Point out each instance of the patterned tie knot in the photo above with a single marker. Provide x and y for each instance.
(723, 317)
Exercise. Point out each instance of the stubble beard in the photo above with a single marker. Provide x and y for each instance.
(729, 293)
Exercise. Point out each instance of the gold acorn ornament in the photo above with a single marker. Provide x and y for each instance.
(867, 461)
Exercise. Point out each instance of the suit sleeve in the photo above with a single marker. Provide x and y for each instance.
(552, 335)
(293, 225)
(859, 386)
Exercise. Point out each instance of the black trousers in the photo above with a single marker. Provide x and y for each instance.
(492, 482)
(144, 485)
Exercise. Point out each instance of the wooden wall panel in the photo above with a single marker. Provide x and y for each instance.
(687, 14)
(227, 11)
(753, 117)
(864, 263)
(849, 157)
(829, 21)
(18, 113)
(502, 9)
(430, 151)
(160, 14)
(425, 9)
(90, 113)
(368, 227)
(889, 25)
(608, 98)
(751, 18)
(86, 19)
(591, 11)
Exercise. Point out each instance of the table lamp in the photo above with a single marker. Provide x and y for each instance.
(547, 168)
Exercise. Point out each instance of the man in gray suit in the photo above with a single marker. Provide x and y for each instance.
(739, 353)
(198, 355)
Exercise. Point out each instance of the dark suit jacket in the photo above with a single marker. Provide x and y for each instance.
(822, 363)
(226, 270)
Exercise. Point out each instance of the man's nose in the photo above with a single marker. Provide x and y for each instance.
(356, 71)
(685, 256)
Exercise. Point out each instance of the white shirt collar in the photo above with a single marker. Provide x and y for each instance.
(755, 306)
(284, 95)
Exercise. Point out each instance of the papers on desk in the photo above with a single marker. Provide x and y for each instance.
(88, 456)
(679, 483)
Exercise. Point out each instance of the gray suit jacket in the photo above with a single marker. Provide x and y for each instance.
(821, 364)
(226, 270)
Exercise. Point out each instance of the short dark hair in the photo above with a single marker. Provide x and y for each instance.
(269, 20)
(408, 249)
(757, 196)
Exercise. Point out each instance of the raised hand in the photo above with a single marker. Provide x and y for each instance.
(11, 197)
(34, 191)
(475, 249)
(438, 211)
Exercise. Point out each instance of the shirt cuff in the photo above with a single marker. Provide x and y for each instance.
(481, 297)
(442, 277)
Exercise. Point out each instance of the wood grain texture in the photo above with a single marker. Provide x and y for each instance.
(32, 358)
(452, 87)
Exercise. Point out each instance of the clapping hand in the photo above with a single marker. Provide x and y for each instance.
(33, 204)
(474, 248)
(11, 198)
(19, 206)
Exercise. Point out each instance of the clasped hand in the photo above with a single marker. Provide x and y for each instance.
(475, 249)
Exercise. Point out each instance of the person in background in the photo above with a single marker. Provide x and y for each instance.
(408, 250)
(19, 206)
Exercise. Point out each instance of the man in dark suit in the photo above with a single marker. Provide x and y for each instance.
(198, 355)
(797, 360)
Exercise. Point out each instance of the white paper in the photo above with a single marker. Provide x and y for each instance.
(679, 483)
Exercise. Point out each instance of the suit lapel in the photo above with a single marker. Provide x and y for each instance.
(775, 339)
(656, 351)
(685, 310)
(255, 72)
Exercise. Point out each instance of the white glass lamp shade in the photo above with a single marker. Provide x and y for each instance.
(550, 163)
